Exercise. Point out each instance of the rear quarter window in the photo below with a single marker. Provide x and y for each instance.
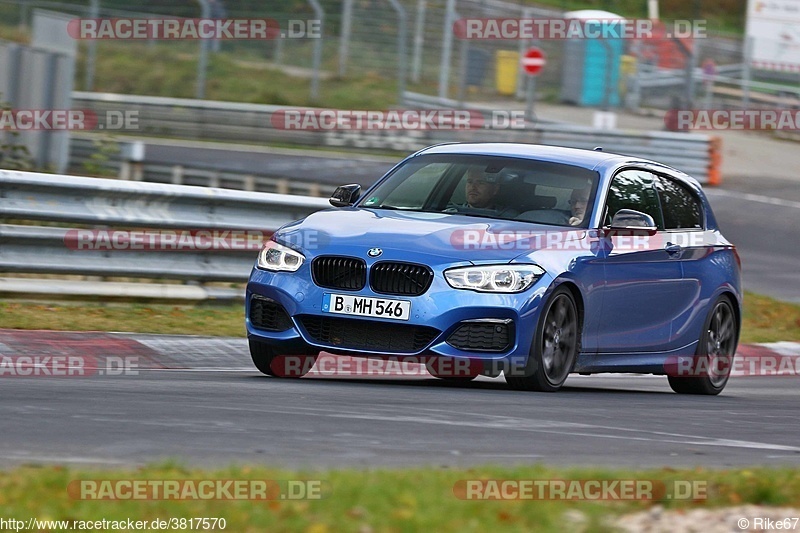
(681, 208)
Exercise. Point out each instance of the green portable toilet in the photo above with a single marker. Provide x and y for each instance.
(591, 66)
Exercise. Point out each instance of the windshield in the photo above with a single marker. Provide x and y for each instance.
(487, 186)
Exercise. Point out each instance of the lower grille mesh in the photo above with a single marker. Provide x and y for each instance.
(268, 314)
(481, 337)
(347, 333)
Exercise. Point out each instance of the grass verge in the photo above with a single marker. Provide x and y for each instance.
(765, 319)
(226, 320)
(389, 500)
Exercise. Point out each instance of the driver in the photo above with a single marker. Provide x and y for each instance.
(481, 190)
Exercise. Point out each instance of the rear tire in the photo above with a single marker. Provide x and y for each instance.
(715, 352)
(555, 346)
(270, 363)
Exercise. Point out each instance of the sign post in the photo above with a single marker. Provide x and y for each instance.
(532, 63)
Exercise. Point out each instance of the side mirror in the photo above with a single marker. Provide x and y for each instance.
(345, 195)
(631, 222)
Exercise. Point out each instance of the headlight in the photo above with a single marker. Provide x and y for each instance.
(279, 258)
(495, 278)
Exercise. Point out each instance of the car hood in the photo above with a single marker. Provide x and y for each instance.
(434, 238)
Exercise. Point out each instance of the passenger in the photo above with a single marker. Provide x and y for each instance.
(578, 202)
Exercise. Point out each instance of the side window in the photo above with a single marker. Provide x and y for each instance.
(682, 210)
(633, 189)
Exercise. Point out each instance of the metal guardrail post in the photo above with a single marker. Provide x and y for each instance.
(748, 57)
(277, 54)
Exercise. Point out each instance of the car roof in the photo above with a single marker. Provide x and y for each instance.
(591, 159)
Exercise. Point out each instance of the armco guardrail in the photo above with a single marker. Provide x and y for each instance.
(238, 122)
(230, 166)
(82, 149)
(58, 198)
(108, 204)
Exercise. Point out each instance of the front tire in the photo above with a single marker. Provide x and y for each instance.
(270, 363)
(554, 349)
(715, 352)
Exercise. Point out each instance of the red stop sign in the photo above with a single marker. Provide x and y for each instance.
(533, 61)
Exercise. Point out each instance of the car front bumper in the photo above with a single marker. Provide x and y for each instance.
(438, 313)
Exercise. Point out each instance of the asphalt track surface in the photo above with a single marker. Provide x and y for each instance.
(217, 417)
(763, 222)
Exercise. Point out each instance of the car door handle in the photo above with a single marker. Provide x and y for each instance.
(672, 248)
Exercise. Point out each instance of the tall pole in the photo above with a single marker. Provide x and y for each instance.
(447, 48)
(91, 52)
(402, 30)
(317, 57)
(202, 63)
(419, 40)
(344, 37)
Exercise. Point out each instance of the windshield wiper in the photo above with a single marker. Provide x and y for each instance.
(396, 208)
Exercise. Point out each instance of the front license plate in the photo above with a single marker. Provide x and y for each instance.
(346, 304)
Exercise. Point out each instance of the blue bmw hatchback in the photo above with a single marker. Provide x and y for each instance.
(531, 261)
